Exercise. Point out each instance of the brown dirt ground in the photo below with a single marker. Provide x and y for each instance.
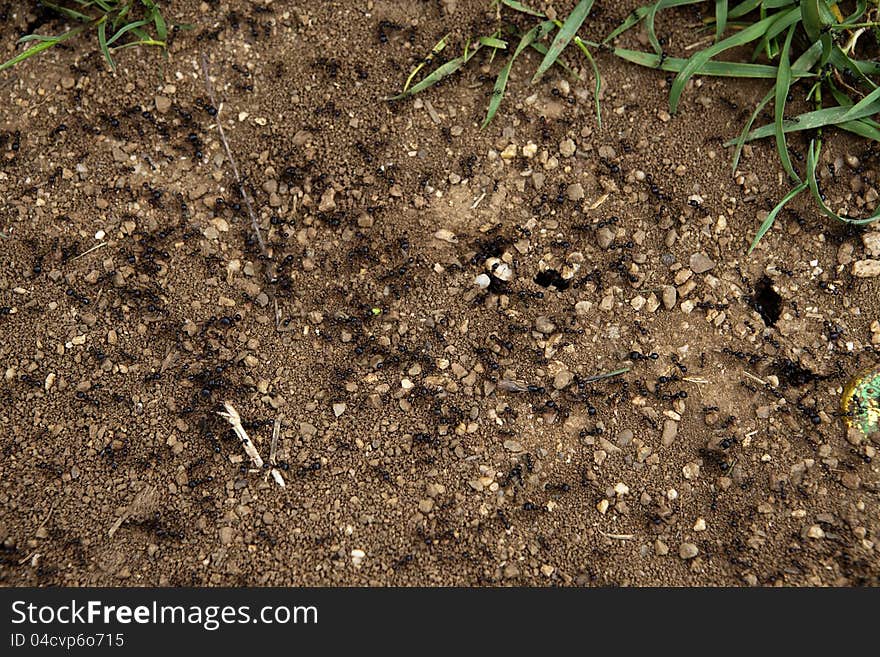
(118, 351)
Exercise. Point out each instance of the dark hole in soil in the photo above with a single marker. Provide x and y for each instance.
(767, 302)
(550, 277)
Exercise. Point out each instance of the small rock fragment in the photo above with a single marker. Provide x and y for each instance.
(604, 237)
(670, 297)
(226, 535)
(544, 325)
(688, 551)
(562, 379)
(866, 268)
(567, 148)
(575, 192)
(446, 235)
(163, 104)
(670, 431)
(700, 263)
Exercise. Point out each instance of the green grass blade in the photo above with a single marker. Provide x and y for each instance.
(571, 25)
(141, 42)
(605, 375)
(862, 128)
(801, 66)
(784, 21)
(598, 84)
(40, 47)
(810, 17)
(740, 141)
(859, 11)
(771, 218)
(493, 42)
(865, 103)
(652, 14)
(720, 18)
(783, 85)
(717, 69)
(812, 160)
(525, 41)
(102, 40)
(520, 7)
(161, 27)
(861, 68)
(816, 119)
(631, 20)
(541, 48)
(36, 37)
(66, 11)
(439, 73)
(749, 34)
(30, 52)
(141, 34)
(743, 8)
(125, 29)
(436, 50)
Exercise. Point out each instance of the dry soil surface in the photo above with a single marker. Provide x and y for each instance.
(432, 432)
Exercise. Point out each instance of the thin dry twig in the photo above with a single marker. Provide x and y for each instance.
(755, 378)
(232, 416)
(247, 200)
(88, 251)
(276, 434)
(619, 537)
(273, 452)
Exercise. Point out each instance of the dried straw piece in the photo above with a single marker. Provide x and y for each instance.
(232, 416)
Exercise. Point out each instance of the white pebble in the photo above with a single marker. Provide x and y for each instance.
(482, 281)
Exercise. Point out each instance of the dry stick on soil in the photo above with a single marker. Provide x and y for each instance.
(276, 434)
(143, 498)
(88, 251)
(618, 537)
(247, 199)
(273, 452)
(232, 416)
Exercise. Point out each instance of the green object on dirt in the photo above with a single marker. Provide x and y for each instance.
(861, 401)
(818, 54)
(119, 24)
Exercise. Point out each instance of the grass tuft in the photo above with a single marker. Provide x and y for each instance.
(808, 49)
(496, 43)
(117, 24)
(830, 71)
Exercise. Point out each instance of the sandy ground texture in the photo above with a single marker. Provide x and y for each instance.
(431, 431)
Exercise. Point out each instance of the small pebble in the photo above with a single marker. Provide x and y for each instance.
(688, 551)
(866, 268)
(575, 192)
(163, 104)
(670, 431)
(815, 531)
(544, 325)
(567, 148)
(562, 379)
(670, 297)
(700, 262)
(604, 237)
(446, 236)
